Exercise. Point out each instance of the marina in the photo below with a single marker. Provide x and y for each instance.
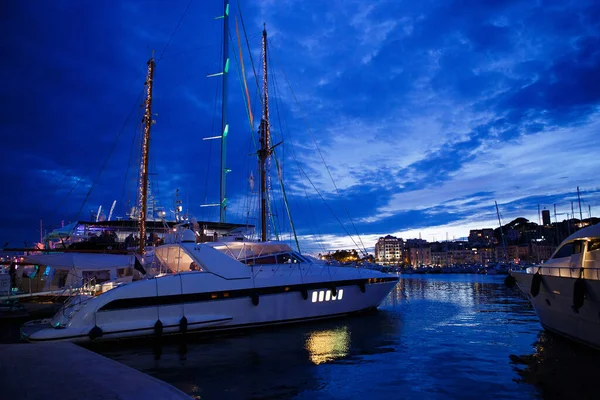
(448, 336)
(413, 230)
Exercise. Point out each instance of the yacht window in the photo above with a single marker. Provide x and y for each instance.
(287, 258)
(565, 251)
(569, 249)
(594, 245)
(263, 260)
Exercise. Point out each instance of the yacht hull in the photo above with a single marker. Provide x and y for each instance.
(243, 311)
(554, 306)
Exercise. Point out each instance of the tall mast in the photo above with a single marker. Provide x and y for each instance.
(265, 149)
(147, 123)
(579, 199)
(224, 124)
(501, 233)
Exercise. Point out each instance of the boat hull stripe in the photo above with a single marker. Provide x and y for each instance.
(154, 301)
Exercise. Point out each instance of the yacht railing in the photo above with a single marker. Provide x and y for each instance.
(567, 272)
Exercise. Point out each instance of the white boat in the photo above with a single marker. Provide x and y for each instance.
(214, 287)
(565, 290)
(226, 285)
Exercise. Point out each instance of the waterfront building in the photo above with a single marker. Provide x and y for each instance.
(389, 250)
(484, 237)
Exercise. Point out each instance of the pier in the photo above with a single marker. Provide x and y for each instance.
(66, 371)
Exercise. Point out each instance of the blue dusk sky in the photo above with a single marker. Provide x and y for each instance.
(396, 117)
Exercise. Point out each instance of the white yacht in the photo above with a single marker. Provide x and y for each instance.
(565, 290)
(212, 287)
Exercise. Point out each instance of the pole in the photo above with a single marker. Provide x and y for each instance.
(224, 124)
(265, 150)
(147, 124)
(579, 199)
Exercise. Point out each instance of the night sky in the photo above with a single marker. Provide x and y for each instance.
(424, 112)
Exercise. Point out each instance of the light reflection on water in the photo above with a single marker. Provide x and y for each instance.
(452, 336)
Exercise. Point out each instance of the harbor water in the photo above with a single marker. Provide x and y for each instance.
(435, 337)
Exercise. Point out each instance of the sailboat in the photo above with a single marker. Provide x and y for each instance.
(219, 286)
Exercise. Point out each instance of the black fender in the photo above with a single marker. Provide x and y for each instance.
(578, 294)
(183, 324)
(255, 299)
(158, 328)
(362, 287)
(95, 333)
(304, 293)
(536, 282)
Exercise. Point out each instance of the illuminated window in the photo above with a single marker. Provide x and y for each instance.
(321, 295)
(328, 295)
(314, 296)
(334, 297)
(340, 294)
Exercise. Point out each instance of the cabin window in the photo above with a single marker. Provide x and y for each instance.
(569, 249)
(594, 245)
(263, 260)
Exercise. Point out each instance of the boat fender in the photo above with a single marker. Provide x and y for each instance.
(255, 299)
(304, 294)
(183, 324)
(362, 287)
(333, 291)
(536, 281)
(509, 281)
(158, 328)
(578, 294)
(95, 332)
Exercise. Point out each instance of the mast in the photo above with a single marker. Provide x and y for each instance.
(265, 150)
(147, 123)
(579, 199)
(224, 124)
(501, 233)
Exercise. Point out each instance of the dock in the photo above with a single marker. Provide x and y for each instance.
(68, 372)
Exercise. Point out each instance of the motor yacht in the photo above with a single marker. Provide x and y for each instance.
(565, 290)
(201, 287)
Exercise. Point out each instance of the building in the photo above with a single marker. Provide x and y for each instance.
(546, 218)
(484, 237)
(389, 250)
(418, 256)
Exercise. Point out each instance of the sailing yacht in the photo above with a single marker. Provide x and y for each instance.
(224, 285)
(565, 290)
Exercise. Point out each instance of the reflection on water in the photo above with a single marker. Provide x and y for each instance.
(444, 337)
(560, 368)
(328, 345)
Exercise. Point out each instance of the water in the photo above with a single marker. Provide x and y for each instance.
(457, 336)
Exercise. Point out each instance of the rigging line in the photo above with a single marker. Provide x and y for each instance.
(318, 234)
(363, 249)
(90, 169)
(249, 50)
(328, 206)
(130, 157)
(175, 31)
(212, 130)
(277, 163)
(114, 145)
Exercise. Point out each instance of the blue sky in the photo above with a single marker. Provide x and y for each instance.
(424, 112)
